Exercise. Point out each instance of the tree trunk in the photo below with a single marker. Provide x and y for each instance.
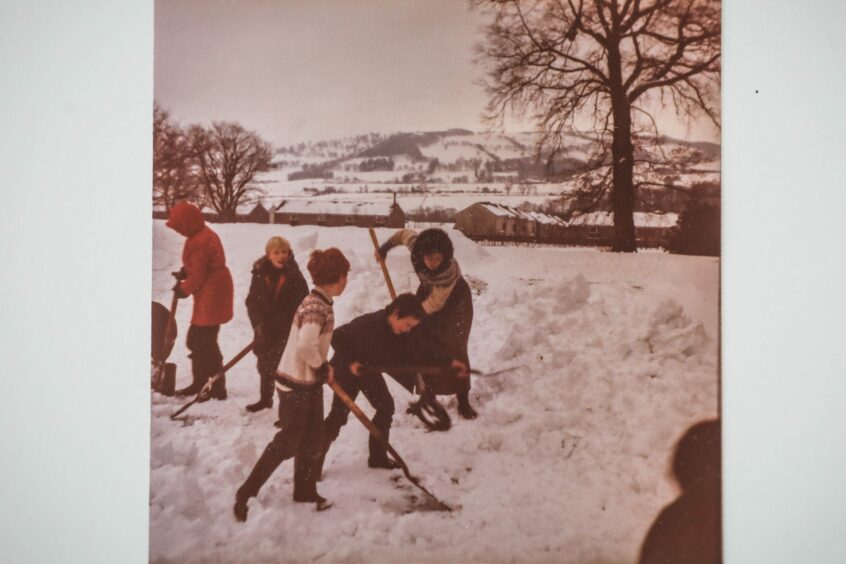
(622, 154)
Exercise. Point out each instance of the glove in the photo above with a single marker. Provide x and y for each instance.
(259, 337)
(386, 246)
(180, 274)
(323, 372)
(177, 289)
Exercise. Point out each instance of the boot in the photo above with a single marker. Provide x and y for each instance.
(464, 408)
(218, 390)
(321, 503)
(191, 390)
(240, 508)
(378, 454)
(259, 405)
(319, 465)
(385, 463)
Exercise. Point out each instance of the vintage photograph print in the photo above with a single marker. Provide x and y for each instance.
(436, 281)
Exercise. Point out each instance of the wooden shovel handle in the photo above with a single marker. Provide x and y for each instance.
(382, 264)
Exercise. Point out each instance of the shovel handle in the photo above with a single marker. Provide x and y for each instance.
(348, 401)
(218, 375)
(385, 272)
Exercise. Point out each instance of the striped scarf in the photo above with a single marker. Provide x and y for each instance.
(446, 277)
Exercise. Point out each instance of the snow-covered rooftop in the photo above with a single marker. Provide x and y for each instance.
(335, 207)
(501, 210)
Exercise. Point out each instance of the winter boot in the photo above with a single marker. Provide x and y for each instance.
(240, 508)
(218, 390)
(378, 454)
(259, 405)
(191, 390)
(464, 408)
(321, 503)
(319, 465)
(385, 463)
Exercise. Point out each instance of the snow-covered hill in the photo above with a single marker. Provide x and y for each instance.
(455, 156)
(613, 357)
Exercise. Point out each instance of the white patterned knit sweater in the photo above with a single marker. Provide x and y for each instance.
(308, 342)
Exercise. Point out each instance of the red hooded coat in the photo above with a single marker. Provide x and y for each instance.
(209, 280)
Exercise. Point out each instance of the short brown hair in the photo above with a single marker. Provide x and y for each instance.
(327, 267)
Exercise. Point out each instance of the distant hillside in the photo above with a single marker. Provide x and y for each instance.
(460, 156)
(711, 150)
(410, 143)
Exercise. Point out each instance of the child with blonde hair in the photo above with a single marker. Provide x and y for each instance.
(276, 290)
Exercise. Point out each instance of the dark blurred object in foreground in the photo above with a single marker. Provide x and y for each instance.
(688, 530)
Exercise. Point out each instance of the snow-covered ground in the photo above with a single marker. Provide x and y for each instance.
(614, 356)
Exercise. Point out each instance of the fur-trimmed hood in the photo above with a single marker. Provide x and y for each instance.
(431, 241)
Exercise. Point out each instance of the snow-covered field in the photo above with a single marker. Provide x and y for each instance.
(411, 201)
(614, 356)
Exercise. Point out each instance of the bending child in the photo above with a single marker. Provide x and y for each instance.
(362, 346)
(444, 333)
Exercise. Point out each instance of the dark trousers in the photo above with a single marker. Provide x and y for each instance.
(301, 437)
(205, 356)
(267, 362)
(376, 391)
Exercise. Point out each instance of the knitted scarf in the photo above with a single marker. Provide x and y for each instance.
(445, 277)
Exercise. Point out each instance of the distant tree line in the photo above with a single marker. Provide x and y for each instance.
(311, 171)
(435, 214)
(376, 164)
(216, 166)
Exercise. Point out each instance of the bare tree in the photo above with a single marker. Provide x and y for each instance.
(229, 158)
(174, 176)
(606, 61)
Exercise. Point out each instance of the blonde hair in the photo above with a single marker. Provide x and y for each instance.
(277, 243)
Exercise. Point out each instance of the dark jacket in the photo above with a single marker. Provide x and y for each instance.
(689, 530)
(209, 280)
(444, 336)
(275, 294)
(369, 340)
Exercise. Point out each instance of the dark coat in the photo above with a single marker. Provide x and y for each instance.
(444, 336)
(209, 280)
(273, 299)
(369, 340)
(687, 531)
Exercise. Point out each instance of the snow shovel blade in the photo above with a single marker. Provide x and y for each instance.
(161, 319)
(164, 378)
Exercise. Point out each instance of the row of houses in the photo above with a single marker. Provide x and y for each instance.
(481, 221)
(328, 213)
(486, 221)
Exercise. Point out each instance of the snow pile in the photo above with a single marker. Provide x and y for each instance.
(597, 364)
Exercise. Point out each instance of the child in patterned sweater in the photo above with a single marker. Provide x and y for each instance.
(299, 382)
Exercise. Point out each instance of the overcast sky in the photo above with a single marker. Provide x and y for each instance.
(299, 70)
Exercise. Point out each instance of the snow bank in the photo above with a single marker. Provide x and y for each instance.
(598, 364)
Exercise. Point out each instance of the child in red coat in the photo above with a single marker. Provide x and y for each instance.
(208, 280)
